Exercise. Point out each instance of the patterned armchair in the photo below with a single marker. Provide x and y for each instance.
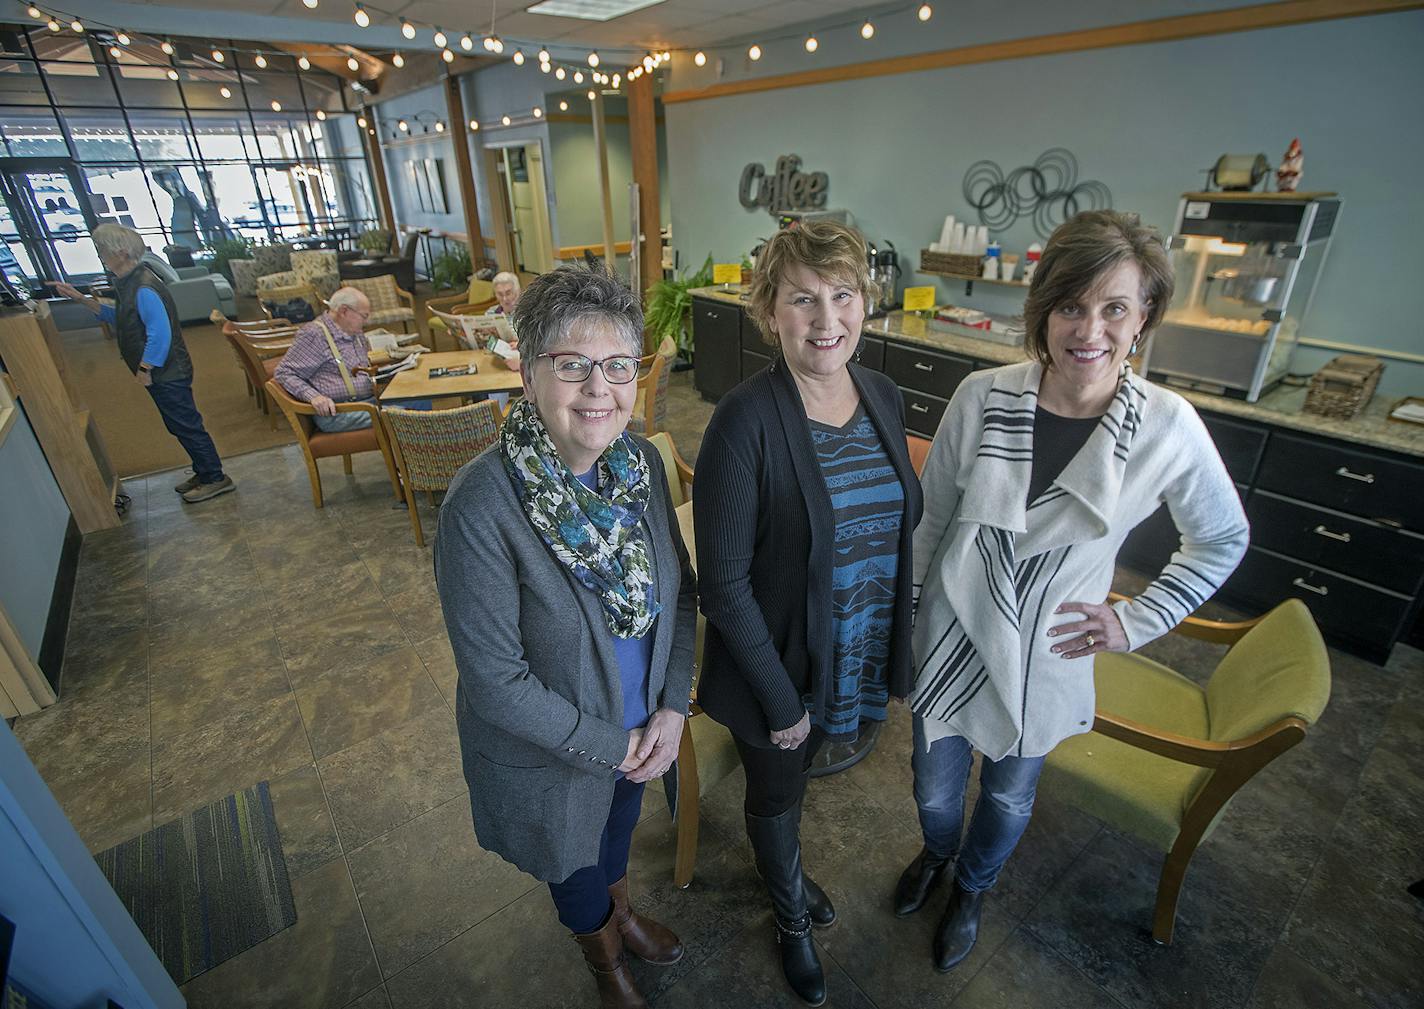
(317, 268)
(389, 304)
(266, 260)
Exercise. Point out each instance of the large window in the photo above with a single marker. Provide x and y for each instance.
(186, 149)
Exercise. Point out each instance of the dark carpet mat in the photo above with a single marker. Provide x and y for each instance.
(208, 885)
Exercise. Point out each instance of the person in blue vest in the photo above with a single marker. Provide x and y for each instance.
(145, 325)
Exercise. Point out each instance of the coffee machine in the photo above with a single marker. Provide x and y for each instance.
(885, 277)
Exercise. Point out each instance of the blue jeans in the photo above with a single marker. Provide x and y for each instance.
(351, 420)
(183, 421)
(1006, 791)
(582, 900)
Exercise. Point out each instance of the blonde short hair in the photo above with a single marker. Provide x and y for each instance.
(832, 251)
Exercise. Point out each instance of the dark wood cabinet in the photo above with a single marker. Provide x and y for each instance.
(927, 371)
(752, 362)
(871, 353)
(1348, 479)
(716, 347)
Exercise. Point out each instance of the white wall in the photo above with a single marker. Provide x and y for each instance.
(33, 520)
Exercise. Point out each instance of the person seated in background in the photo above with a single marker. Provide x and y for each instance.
(330, 361)
(506, 294)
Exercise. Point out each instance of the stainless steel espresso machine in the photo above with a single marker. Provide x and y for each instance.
(1246, 267)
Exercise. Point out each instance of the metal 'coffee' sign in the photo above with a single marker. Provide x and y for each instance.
(787, 189)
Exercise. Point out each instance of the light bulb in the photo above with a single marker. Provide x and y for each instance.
(867, 30)
(578, 76)
(115, 52)
(403, 126)
(700, 59)
(439, 39)
(261, 62)
(309, 4)
(593, 58)
(467, 43)
(398, 61)
(518, 57)
(811, 44)
(504, 120)
(218, 55)
(353, 64)
(225, 91)
(53, 25)
(559, 73)
(754, 53)
(34, 11)
(361, 17)
(447, 56)
(122, 37)
(304, 63)
(616, 79)
(407, 29)
(538, 112)
(167, 48)
(77, 25)
(666, 55)
(648, 64)
(544, 68)
(371, 131)
(172, 74)
(592, 95)
(439, 126)
(276, 105)
(924, 12)
(543, 55)
(361, 122)
(563, 105)
(321, 115)
(498, 44)
(474, 125)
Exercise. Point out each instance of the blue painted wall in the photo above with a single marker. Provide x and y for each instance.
(33, 518)
(1142, 119)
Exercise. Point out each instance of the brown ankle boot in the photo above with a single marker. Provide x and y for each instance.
(643, 937)
(603, 953)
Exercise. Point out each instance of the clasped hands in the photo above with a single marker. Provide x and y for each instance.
(653, 748)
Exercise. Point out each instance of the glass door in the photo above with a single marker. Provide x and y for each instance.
(45, 223)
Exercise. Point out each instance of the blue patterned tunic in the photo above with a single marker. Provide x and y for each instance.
(869, 503)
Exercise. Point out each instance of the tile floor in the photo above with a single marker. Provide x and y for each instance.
(254, 637)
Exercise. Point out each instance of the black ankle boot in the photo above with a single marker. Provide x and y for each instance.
(778, 857)
(918, 881)
(958, 929)
(818, 903)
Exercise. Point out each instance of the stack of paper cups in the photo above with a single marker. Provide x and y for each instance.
(981, 241)
(946, 233)
(956, 239)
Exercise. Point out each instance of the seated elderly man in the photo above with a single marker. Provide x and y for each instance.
(329, 362)
(506, 294)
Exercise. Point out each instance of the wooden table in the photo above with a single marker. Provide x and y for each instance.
(415, 383)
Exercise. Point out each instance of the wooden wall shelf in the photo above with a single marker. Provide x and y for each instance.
(970, 280)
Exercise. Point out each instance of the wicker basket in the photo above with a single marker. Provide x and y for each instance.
(948, 262)
(1344, 387)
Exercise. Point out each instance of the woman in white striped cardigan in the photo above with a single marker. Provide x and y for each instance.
(1037, 474)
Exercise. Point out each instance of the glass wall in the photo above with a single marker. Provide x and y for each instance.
(185, 148)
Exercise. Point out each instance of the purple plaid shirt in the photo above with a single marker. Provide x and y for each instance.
(308, 370)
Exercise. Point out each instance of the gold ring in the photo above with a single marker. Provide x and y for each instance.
(1091, 641)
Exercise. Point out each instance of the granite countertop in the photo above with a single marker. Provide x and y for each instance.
(734, 294)
(1281, 407)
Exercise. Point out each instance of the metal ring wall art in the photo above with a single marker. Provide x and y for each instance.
(1048, 191)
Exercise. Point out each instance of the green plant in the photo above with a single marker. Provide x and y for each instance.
(452, 268)
(225, 249)
(669, 310)
(376, 240)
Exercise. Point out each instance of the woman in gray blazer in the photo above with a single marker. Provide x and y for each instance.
(570, 605)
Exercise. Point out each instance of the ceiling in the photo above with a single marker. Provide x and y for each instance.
(671, 24)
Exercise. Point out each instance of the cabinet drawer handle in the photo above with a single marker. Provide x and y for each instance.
(919, 408)
(921, 366)
(1362, 477)
(1338, 537)
(1319, 590)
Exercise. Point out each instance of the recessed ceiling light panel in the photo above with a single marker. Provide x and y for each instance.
(591, 10)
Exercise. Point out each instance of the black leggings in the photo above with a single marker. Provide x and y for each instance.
(776, 778)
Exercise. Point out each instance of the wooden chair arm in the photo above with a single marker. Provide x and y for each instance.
(264, 351)
(1185, 749)
(1217, 632)
(445, 302)
(407, 297)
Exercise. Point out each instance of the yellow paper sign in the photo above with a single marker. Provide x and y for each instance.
(918, 299)
(726, 273)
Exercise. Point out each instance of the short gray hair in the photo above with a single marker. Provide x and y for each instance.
(346, 297)
(557, 302)
(506, 278)
(114, 240)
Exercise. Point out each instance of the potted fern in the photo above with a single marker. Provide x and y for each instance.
(669, 311)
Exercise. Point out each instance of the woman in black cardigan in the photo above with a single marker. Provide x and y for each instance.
(804, 513)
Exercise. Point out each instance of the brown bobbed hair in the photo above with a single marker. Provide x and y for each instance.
(832, 251)
(1079, 252)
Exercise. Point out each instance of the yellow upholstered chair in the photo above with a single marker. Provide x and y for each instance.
(650, 408)
(475, 298)
(431, 445)
(1166, 756)
(389, 304)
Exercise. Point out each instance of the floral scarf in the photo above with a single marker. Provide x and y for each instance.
(598, 538)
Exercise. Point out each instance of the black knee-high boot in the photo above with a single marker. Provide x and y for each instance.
(777, 844)
(818, 903)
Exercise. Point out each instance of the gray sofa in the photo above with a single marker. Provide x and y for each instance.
(195, 291)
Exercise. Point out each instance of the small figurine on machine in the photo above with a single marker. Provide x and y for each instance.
(1288, 175)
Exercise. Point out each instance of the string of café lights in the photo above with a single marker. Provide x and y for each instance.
(589, 69)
